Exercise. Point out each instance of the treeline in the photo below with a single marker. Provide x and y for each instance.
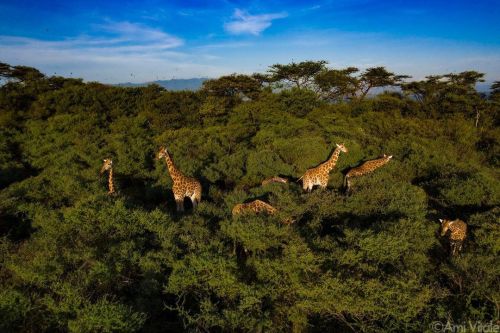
(74, 259)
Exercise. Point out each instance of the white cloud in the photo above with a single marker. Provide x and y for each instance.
(244, 23)
(131, 52)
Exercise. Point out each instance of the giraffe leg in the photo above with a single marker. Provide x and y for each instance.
(194, 200)
(348, 185)
(179, 202)
(458, 246)
(453, 246)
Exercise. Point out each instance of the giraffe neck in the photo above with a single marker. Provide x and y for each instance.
(332, 161)
(381, 162)
(174, 173)
(375, 164)
(110, 181)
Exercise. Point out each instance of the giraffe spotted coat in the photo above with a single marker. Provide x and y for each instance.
(108, 166)
(320, 174)
(457, 233)
(365, 168)
(183, 186)
(258, 207)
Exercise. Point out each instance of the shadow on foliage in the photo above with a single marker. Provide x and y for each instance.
(15, 226)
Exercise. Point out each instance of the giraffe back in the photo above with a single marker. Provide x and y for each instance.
(256, 206)
(320, 174)
(183, 186)
(368, 166)
(457, 228)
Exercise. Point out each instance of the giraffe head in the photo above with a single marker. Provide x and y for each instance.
(108, 164)
(162, 153)
(445, 225)
(342, 147)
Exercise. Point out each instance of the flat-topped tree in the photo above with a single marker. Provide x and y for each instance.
(20, 73)
(337, 84)
(233, 85)
(448, 94)
(377, 77)
(300, 75)
(495, 91)
(465, 80)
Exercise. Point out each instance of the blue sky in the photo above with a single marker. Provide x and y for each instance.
(117, 41)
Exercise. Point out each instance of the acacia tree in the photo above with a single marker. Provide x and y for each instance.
(462, 93)
(375, 77)
(4, 69)
(301, 75)
(233, 85)
(448, 93)
(20, 73)
(263, 79)
(337, 84)
(426, 92)
(495, 91)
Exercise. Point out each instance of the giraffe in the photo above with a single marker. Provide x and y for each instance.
(458, 233)
(365, 168)
(257, 207)
(108, 166)
(183, 186)
(274, 180)
(320, 174)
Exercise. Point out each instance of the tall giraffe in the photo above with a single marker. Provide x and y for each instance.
(365, 168)
(320, 174)
(183, 186)
(458, 233)
(108, 166)
(257, 207)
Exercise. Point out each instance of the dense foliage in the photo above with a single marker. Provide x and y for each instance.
(73, 259)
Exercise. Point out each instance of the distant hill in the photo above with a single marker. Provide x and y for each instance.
(173, 84)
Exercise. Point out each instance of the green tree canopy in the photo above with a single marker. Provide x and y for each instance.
(300, 75)
(235, 85)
